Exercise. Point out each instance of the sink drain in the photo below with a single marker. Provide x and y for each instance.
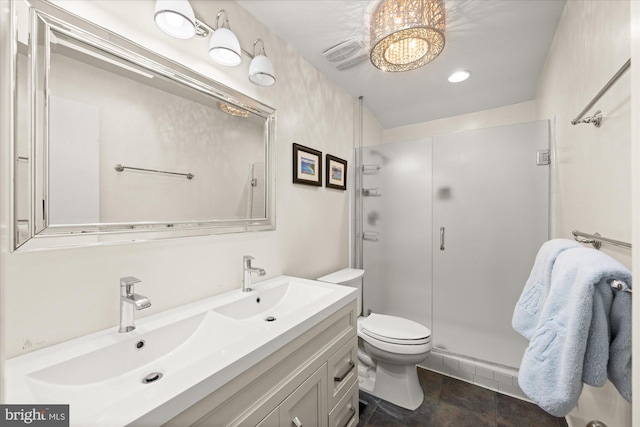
(152, 377)
(270, 319)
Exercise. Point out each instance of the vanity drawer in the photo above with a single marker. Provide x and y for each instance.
(346, 412)
(343, 369)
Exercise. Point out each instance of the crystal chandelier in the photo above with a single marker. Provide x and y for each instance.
(406, 34)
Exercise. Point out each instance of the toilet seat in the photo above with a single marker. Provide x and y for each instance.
(394, 330)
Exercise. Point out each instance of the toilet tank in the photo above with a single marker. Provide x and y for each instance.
(348, 277)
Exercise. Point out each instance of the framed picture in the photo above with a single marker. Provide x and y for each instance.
(307, 165)
(336, 173)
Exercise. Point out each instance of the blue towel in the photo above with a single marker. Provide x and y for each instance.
(619, 367)
(571, 342)
(527, 312)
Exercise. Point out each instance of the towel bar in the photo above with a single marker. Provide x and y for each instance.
(596, 240)
(621, 286)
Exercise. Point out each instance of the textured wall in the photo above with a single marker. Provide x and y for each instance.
(593, 166)
(52, 296)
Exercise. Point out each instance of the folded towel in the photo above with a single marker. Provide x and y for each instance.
(570, 343)
(527, 312)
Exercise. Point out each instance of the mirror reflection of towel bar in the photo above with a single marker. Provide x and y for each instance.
(120, 168)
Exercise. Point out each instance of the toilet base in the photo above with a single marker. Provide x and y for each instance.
(398, 384)
(392, 382)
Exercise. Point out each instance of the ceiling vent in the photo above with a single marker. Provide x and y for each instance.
(349, 51)
(342, 51)
(353, 62)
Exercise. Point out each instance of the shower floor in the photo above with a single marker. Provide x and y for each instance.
(455, 403)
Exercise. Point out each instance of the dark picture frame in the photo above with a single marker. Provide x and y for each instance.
(336, 173)
(307, 166)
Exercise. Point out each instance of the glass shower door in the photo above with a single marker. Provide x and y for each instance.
(490, 216)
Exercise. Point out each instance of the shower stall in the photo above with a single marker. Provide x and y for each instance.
(447, 228)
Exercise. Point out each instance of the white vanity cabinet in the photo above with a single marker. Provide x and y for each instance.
(310, 381)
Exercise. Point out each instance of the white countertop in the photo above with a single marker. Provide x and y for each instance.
(219, 350)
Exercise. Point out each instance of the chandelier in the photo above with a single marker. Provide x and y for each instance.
(406, 34)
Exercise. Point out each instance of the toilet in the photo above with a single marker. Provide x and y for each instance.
(389, 348)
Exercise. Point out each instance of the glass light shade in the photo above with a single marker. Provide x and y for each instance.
(261, 71)
(224, 47)
(407, 34)
(176, 18)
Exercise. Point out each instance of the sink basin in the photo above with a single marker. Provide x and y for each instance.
(275, 302)
(123, 357)
(122, 367)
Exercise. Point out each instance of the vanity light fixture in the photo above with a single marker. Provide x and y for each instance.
(224, 46)
(261, 71)
(459, 76)
(406, 34)
(177, 19)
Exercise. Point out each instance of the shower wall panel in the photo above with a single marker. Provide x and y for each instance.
(397, 228)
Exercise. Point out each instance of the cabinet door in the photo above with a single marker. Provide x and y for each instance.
(307, 405)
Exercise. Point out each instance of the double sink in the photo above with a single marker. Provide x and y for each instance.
(113, 379)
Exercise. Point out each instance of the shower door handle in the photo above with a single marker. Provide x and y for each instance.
(442, 238)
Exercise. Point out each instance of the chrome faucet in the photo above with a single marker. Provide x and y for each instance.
(129, 301)
(247, 270)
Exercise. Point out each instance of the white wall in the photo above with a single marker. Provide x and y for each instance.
(52, 296)
(593, 169)
(509, 114)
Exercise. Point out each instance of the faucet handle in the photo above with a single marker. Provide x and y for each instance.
(246, 260)
(126, 284)
(129, 281)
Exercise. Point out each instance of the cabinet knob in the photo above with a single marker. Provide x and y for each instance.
(296, 422)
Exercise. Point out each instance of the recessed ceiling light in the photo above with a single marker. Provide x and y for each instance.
(459, 76)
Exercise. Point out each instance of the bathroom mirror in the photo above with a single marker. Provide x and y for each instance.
(114, 142)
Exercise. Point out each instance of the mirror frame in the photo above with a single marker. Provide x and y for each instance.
(45, 17)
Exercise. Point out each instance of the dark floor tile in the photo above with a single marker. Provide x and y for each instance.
(388, 411)
(452, 416)
(431, 383)
(423, 416)
(469, 397)
(380, 419)
(512, 412)
(372, 404)
(394, 411)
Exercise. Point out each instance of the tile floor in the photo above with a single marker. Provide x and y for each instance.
(455, 403)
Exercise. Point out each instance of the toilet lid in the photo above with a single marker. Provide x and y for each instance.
(395, 329)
